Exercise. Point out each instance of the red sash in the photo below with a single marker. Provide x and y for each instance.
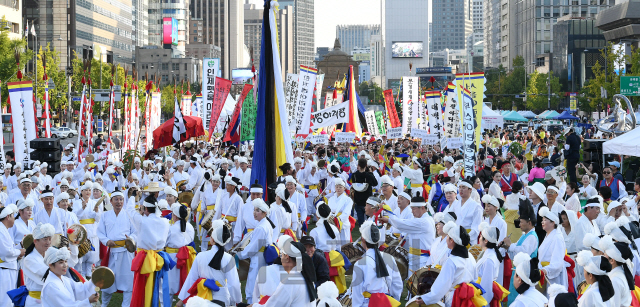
(104, 255)
(264, 300)
(463, 295)
(139, 280)
(181, 263)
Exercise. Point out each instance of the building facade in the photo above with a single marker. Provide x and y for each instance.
(376, 66)
(160, 9)
(12, 11)
(356, 36)
(336, 63)
(157, 61)
(140, 18)
(303, 31)
(253, 17)
(452, 24)
(400, 15)
(220, 23)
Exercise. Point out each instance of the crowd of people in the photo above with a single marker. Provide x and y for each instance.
(533, 226)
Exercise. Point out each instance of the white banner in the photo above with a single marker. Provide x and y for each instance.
(422, 112)
(2, 161)
(370, 117)
(435, 114)
(319, 139)
(319, 81)
(394, 133)
(210, 70)
(291, 96)
(22, 115)
(430, 139)
(468, 134)
(186, 102)
(409, 103)
(196, 107)
(345, 137)
(306, 85)
(451, 115)
(419, 133)
(454, 143)
(337, 114)
(329, 100)
(155, 113)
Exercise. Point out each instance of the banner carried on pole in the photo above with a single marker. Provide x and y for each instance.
(23, 114)
(435, 113)
(337, 114)
(232, 130)
(409, 103)
(318, 93)
(468, 133)
(306, 85)
(291, 95)
(222, 89)
(382, 127)
(196, 106)
(210, 70)
(451, 114)
(394, 121)
(372, 126)
(248, 122)
(475, 83)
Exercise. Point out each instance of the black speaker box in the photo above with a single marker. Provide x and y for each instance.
(592, 144)
(45, 143)
(46, 155)
(53, 168)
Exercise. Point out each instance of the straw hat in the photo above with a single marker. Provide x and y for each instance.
(153, 187)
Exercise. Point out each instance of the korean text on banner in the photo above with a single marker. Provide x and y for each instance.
(372, 126)
(222, 88)
(186, 103)
(454, 143)
(196, 106)
(306, 85)
(23, 119)
(237, 111)
(391, 109)
(345, 137)
(248, 122)
(410, 104)
(451, 114)
(210, 70)
(319, 139)
(319, 81)
(291, 97)
(474, 82)
(337, 114)
(468, 132)
(419, 133)
(430, 139)
(435, 113)
(394, 133)
(382, 128)
(422, 114)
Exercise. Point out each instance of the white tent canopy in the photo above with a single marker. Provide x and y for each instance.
(626, 144)
(491, 119)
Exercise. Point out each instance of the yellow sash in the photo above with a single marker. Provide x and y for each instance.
(415, 251)
(152, 263)
(477, 298)
(337, 261)
(211, 207)
(249, 230)
(416, 185)
(312, 187)
(87, 221)
(205, 292)
(262, 249)
(230, 218)
(171, 250)
(545, 263)
(118, 244)
(505, 292)
(35, 294)
(392, 300)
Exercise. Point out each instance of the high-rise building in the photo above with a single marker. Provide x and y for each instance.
(222, 23)
(253, 17)
(104, 26)
(303, 31)
(376, 66)
(356, 36)
(497, 33)
(161, 12)
(140, 18)
(12, 11)
(452, 24)
(321, 52)
(401, 46)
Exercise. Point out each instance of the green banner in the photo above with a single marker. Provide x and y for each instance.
(248, 121)
(380, 122)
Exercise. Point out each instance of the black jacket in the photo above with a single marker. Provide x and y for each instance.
(574, 147)
(485, 176)
(321, 266)
(360, 198)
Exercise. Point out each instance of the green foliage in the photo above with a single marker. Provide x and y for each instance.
(8, 66)
(538, 90)
(372, 91)
(503, 85)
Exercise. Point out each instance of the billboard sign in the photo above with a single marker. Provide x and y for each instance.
(169, 31)
(406, 49)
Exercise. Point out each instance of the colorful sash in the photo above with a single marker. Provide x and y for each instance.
(203, 288)
(185, 257)
(338, 265)
(145, 284)
(380, 300)
(468, 295)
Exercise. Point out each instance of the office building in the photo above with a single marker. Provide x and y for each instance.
(158, 11)
(376, 65)
(356, 36)
(303, 31)
(12, 11)
(321, 52)
(452, 24)
(498, 33)
(201, 51)
(104, 26)
(402, 46)
(253, 17)
(222, 23)
(140, 18)
(154, 60)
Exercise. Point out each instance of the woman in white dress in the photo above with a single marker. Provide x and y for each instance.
(551, 251)
(23, 225)
(61, 291)
(525, 279)
(494, 188)
(487, 269)
(439, 249)
(600, 291)
(572, 201)
(341, 206)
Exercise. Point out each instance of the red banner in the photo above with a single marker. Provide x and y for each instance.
(391, 109)
(236, 113)
(221, 91)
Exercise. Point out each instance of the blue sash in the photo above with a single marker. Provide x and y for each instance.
(512, 290)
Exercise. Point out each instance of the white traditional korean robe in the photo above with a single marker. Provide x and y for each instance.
(487, 269)
(469, 217)
(298, 204)
(593, 298)
(245, 220)
(530, 298)
(365, 271)
(57, 218)
(342, 205)
(323, 241)
(619, 282)
(267, 281)
(178, 239)
(64, 292)
(420, 233)
(151, 232)
(117, 228)
(33, 268)
(261, 236)
(403, 214)
(439, 251)
(454, 272)
(84, 215)
(9, 268)
(230, 207)
(20, 230)
(281, 218)
(552, 250)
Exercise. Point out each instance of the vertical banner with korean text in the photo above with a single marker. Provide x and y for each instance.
(382, 127)
(291, 96)
(319, 81)
(221, 91)
(186, 102)
(475, 83)
(306, 85)
(372, 126)
(435, 113)
(422, 114)
(468, 121)
(390, 106)
(248, 121)
(23, 119)
(409, 103)
(451, 114)
(196, 106)
(210, 70)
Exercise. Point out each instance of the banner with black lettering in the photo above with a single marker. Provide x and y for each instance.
(410, 104)
(435, 113)
(291, 96)
(23, 114)
(306, 86)
(372, 126)
(210, 70)
(337, 114)
(468, 133)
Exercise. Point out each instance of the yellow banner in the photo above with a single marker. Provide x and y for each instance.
(474, 82)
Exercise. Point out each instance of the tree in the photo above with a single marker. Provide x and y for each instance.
(55, 75)
(8, 66)
(538, 90)
(371, 91)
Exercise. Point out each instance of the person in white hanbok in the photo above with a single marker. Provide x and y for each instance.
(325, 234)
(596, 271)
(560, 297)
(296, 201)
(215, 264)
(246, 222)
(341, 206)
(281, 212)
(59, 290)
(620, 257)
(89, 215)
(33, 265)
(572, 201)
(439, 249)
(23, 225)
(492, 211)
(181, 234)
(9, 254)
(487, 270)
(23, 193)
(552, 250)
(387, 196)
(114, 227)
(230, 203)
(468, 211)
(494, 188)
(204, 201)
(553, 200)
(526, 276)
(620, 231)
(403, 211)
(261, 237)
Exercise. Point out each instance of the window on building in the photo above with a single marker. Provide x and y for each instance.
(165, 66)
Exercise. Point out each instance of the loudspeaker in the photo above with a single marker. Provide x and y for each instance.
(45, 143)
(592, 144)
(46, 155)
(53, 168)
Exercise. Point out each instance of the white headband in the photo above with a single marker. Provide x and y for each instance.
(260, 204)
(590, 263)
(448, 187)
(453, 231)
(592, 241)
(170, 191)
(53, 255)
(43, 231)
(26, 203)
(465, 184)
(490, 233)
(490, 199)
(10, 209)
(553, 188)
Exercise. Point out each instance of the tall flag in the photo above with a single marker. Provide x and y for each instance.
(356, 109)
(222, 89)
(390, 106)
(179, 126)
(272, 146)
(111, 105)
(47, 118)
(233, 132)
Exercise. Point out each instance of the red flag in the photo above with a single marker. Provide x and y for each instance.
(231, 133)
(391, 109)
(221, 91)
